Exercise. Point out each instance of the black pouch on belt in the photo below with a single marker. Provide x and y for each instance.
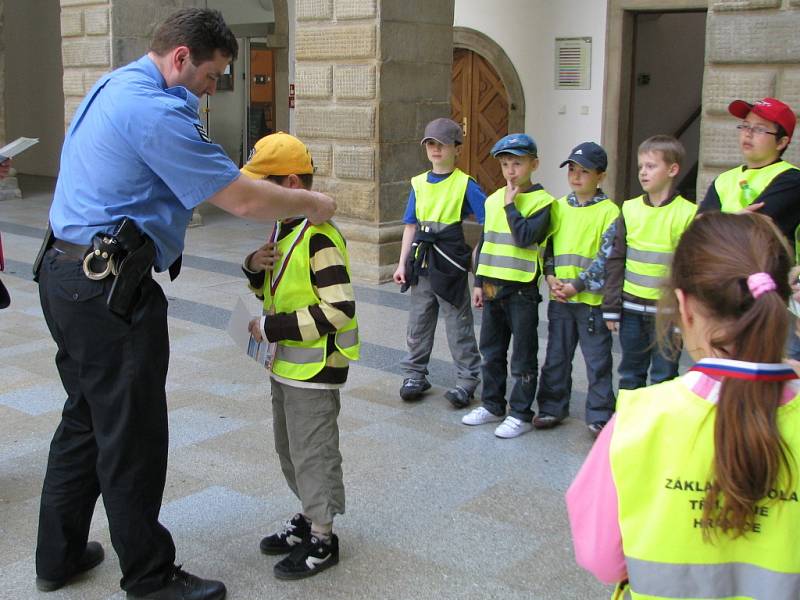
(130, 272)
(49, 238)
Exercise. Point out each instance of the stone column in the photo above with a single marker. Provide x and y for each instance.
(9, 187)
(752, 51)
(369, 75)
(85, 48)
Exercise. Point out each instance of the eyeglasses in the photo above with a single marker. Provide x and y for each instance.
(755, 129)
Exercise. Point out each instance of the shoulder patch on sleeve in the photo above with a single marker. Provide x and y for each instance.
(201, 131)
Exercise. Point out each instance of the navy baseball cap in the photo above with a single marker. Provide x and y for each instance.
(518, 144)
(588, 155)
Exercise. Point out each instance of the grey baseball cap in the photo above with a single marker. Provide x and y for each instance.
(444, 131)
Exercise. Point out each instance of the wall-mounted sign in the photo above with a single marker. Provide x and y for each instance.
(573, 63)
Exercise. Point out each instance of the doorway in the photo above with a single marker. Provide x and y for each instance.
(666, 90)
(261, 94)
(479, 102)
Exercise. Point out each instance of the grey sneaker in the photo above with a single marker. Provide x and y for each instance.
(596, 427)
(412, 389)
(459, 397)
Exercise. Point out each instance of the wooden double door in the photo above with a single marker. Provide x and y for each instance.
(479, 102)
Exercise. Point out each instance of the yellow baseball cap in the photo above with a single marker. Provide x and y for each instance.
(278, 154)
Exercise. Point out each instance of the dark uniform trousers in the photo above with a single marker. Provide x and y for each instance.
(112, 439)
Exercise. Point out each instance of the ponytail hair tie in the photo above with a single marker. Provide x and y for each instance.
(760, 283)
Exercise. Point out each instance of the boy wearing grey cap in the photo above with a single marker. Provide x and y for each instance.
(434, 263)
(506, 287)
(582, 230)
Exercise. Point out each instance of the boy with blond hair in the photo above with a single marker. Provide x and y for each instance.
(647, 233)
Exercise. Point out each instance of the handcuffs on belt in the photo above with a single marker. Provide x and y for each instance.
(105, 247)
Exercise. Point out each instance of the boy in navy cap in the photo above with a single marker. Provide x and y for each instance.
(581, 237)
(506, 287)
(434, 263)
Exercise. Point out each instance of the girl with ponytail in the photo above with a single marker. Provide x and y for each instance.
(691, 491)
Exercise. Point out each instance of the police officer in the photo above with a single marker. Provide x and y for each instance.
(135, 162)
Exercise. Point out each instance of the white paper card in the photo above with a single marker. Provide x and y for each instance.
(18, 146)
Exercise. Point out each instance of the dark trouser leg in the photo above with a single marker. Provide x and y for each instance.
(495, 336)
(635, 342)
(460, 329)
(555, 384)
(114, 373)
(523, 314)
(422, 316)
(596, 349)
(663, 363)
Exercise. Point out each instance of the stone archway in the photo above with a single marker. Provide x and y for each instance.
(470, 39)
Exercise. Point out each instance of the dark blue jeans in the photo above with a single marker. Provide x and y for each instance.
(640, 352)
(517, 316)
(568, 325)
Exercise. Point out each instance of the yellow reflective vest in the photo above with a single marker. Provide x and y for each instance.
(653, 233)
(575, 234)
(439, 204)
(302, 360)
(739, 188)
(661, 453)
(500, 258)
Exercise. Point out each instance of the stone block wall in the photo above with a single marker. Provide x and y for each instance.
(362, 106)
(752, 51)
(85, 48)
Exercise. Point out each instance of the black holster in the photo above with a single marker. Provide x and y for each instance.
(49, 238)
(138, 255)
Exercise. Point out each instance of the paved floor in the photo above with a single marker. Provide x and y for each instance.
(434, 509)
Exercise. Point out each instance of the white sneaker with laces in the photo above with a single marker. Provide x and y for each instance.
(480, 416)
(512, 427)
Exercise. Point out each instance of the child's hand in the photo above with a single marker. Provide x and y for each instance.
(399, 276)
(264, 258)
(255, 329)
(554, 283)
(613, 326)
(512, 190)
(477, 297)
(568, 290)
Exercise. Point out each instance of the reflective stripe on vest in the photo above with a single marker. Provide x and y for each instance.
(652, 234)
(738, 188)
(576, 233)
(439, 204)
(727, 580)
(661, 454)
(500, 257)
(302, 360)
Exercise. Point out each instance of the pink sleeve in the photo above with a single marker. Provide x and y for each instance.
(594, 514)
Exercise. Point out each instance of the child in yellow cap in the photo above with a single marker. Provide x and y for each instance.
(309, 312)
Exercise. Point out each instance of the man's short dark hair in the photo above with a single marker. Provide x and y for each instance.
(202, 30)
(306, 179)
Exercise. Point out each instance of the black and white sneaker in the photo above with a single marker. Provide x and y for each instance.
(459, 397)
(308, 558)
(294, 531)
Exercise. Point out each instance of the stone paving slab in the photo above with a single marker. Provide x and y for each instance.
(435, 509)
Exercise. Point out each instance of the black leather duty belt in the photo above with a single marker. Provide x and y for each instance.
(76, 251)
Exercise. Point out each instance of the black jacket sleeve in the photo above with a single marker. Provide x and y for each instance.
(711, 202)
(527, 231)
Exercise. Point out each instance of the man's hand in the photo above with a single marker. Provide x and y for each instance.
(613, 326)
(399, 276)
(321, 209)
(477, 297)
(255, 329)
(263, 259)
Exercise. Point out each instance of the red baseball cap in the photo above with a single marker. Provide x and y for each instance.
(770, 109)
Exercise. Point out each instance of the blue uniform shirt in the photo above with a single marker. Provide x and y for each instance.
(475, 197)
(136, 149)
